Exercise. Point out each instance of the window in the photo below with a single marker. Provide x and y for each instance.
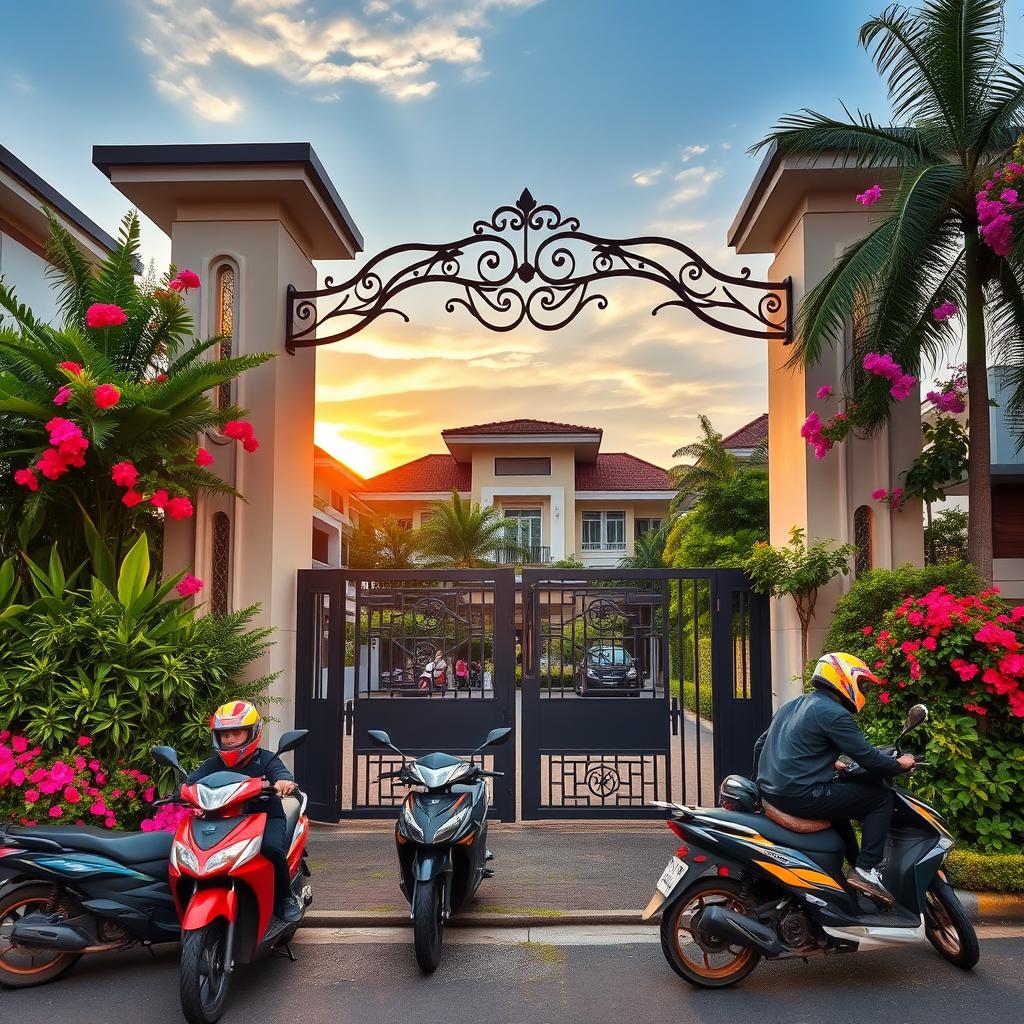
(225, 326)
(863, 521)
(604, 531)
(647, 526)
(405, 524)
(338, 501)
(221, 564)
(523, 526)
(321, 546)
(522, 467)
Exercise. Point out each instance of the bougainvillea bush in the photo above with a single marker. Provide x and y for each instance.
(75, 787)
(963, 656)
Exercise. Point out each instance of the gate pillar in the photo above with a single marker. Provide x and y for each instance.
(264, 212)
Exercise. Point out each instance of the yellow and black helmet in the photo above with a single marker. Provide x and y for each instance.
(844, 674)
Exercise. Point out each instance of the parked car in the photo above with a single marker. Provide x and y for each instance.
(606, 668)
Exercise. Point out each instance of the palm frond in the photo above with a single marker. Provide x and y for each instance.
(115, 279)
(71, 270)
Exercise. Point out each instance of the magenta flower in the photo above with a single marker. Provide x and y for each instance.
(880, 495)
(184, 280)
(203, 457)
(124, 474)
(27, 478)
(945, 311)
(823, 392)
(160, 499)
(870, 196)
(101, 314)
(63, 395)
(106, 395)
(189, 585)
(238, 429)
(179, 508)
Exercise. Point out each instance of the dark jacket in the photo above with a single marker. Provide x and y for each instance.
(797, 753)
(263, 764)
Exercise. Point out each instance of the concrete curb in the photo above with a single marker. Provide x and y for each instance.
(981, 907)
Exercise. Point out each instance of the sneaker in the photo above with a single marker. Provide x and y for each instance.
(869, 882)
(293, 910)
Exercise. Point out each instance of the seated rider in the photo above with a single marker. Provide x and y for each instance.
(236, 729)
(795, 763)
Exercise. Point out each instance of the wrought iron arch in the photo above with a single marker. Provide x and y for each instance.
(528, 262)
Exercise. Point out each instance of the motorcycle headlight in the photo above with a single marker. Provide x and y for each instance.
(183, 856)
(212, 799)
(410, 826)
(233, 856)
(452, 826)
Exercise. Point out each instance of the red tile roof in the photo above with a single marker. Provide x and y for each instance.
(321, 455)
(521, 427)
(429, 473)
(750, 435)
(620, 471)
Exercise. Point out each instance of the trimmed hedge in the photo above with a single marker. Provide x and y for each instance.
(986, 872)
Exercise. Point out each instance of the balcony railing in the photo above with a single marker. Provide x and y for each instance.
(528, 554)
(595, 545)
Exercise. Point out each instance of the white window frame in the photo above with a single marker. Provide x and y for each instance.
(606, 518)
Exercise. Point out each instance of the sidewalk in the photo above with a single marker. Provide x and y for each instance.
(558, 873)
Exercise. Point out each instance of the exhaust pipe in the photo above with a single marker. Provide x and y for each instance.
(736, 930)
(42, 932)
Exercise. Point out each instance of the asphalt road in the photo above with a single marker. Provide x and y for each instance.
(515, 982)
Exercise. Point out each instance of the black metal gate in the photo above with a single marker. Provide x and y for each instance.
(426, 655)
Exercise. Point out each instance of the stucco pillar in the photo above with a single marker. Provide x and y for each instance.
(266, 212)
(806, 215)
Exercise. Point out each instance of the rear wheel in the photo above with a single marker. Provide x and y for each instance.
(699, 959)
(427, 924)
(205, 973)
(21, 966)
(949, 929)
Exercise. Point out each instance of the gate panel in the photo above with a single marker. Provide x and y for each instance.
(407, 632)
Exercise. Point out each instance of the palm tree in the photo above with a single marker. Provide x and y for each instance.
(709, 463)
(956, 111)
(159, 383)
(462, 535)
(648, 551)
(383, 543)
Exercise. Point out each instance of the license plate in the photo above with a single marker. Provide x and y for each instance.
(671, 875)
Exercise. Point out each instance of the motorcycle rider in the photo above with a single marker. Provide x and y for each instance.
(795, 761)
(236, 729)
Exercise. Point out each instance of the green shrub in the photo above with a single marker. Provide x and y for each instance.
(986, 872)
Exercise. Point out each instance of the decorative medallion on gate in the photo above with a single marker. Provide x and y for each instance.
(529, 262)
(601, 780)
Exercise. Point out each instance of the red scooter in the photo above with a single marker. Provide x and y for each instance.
(223, 887)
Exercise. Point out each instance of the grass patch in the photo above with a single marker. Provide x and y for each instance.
(508, 910)
(986, 872)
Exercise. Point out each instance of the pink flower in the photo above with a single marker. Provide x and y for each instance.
(880, 494)
(884, 697)
(897, 497)
(930, 643)
(1012, 664)
(203, 457)
(19, 744)
(106, 395)
(18, 776)
(124, 474)
(189, 585)
(184, 280)
(1008, 195)
(84, 741)
(27, 478)
(250, 444)
(902, 386)
(75, 368)
(977, 709)
(812, 426)
(823, 392)
(241, 429)
(946, 310)
(62, 430)
(52, 464)
(179, 508)
(72, 795)
(131, 498)
(159, 499)
(31, 796)
(62, 396)
(870, 196)
(915, 619)
(101, 314)
(56, 811)
(947, 401)
(868, 630)
(98, 808)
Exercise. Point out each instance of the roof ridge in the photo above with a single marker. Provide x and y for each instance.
(522, 419)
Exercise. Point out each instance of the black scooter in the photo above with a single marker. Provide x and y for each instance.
(752, 882)
(441, 835)
(70, 890)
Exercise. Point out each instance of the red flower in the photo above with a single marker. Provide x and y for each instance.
(964, 669)
(101, 314)
(160, 499)
(131, 498)
(976, 708)
(203, 457)
(63, 396)
(27, 478)
(84, 741)
(238, 429)
(161, 377)
(915, 618)
(1012, 664)
(106, 395)
(930, 643)
(996, 682)
(884, 697)
(75, 368)
(250, 444)
(124, 474)
(868, 630)
(52, 464)
(56, 811)
(179, 508)
(184, 280)
(72, 795)
(189, 585)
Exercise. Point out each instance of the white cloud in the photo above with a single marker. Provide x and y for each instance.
(689, 152)
(726, 145)
(696, 181)
(313, 44)
(645, 178)
(20, 83)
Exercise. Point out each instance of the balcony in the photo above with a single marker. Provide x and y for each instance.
(528, 554)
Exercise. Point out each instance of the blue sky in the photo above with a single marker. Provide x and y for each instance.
(635, 116)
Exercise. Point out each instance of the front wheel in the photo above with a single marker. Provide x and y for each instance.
(427, 924)
(948, 927)
(21, 966)
(205, 973)
(699, 959)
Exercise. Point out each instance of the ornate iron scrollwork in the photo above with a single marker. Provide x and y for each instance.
(528, 262)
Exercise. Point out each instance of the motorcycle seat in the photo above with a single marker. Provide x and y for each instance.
(792, 822)
(827, 841)
(127, 848)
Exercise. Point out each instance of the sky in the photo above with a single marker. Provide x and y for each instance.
(633, 115)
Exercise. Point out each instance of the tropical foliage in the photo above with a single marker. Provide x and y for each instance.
(648, 551)
(99, 415)
(462, 535)
(709, 463)
(956, 104)
(383, 543)
(945, 536)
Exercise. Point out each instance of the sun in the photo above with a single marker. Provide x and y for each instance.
(360, 457)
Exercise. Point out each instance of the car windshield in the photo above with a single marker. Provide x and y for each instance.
(609, 656)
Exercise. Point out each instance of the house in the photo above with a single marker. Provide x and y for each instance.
(746, 440)
(336, 510)
(563, 496)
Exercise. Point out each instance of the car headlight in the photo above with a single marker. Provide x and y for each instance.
(452, 826)
(631, 674)
(182, 855)
(411, 825)
(233, 856)
(591, 674)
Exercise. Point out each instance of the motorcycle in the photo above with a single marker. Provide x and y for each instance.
(68, 891)
(441, 836)
(753, 882)
(223, 887)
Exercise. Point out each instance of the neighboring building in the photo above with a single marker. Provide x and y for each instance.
(336, 510)
(745, 442)
(562, 496)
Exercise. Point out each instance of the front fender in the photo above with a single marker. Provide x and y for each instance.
(430, 864)
(207, 905)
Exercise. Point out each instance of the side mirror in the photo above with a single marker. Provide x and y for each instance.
(291, 740)
(915, 717)
(168, 757)
(379, 737)
(496, 737)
